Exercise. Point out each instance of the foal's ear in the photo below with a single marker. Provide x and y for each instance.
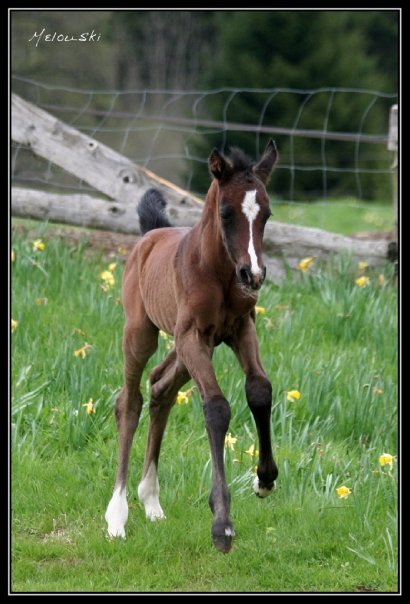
(219, 167)
(264, 167)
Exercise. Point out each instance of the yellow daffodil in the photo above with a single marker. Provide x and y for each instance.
(14, 325)
(41, 301)
(183, 397)
(252, 451)
(260, 310)
(386, 459)
(112, 266)
(89, 407)
(305, 263)
(377, 390)
(81, 352)
(230, 440)
(381, 280)
(363, 265)
(362, 281)
(108, 278)
(38, 245)
(293, 395)
(343, 492)
(13, 255)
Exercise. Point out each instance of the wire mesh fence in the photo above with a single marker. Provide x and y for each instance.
(172, 131)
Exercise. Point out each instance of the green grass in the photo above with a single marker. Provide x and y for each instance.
(321, 334)
(345, 216)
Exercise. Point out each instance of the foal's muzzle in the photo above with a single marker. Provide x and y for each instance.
(247, 278)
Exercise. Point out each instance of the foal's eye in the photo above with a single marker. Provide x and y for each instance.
(226, 213)
(267, 216)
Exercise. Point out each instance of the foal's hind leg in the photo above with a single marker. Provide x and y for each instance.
(139, 344)
(259, 396)
(166, 379)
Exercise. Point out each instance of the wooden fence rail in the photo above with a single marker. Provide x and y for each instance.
(124, 182)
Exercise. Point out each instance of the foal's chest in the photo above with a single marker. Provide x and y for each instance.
(230, 327)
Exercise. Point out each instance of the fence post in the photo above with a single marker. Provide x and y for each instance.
(392, 146)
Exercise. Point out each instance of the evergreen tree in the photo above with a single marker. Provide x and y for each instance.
(304, 50)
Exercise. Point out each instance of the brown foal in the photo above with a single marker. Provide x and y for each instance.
(200, 285)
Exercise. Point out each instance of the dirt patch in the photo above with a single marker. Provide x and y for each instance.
(365, 589)
(373, 235)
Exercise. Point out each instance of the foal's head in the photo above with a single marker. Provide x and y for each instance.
(243, 209)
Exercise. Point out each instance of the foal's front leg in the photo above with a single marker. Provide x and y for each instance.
(259, 396)
(195, 353)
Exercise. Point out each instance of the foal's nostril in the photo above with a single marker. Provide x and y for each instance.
(263, 274)
(245, 275)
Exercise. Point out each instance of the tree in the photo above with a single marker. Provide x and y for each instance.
(303, 50)
(161, 49)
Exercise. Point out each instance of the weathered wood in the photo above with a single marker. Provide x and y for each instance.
(125, 182)
(295, 242)
(281, 240)
(393, 146)
(84, 210)
(92, 161)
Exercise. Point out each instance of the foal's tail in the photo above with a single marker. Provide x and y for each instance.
(151, 211)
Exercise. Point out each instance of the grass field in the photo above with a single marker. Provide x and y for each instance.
(320, 333)
(345, 216)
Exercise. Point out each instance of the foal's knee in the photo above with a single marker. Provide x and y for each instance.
(129, 409)
(217, 413)
(258, 393)
(119, 404)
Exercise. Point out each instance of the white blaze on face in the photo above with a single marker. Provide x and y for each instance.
(251, 208)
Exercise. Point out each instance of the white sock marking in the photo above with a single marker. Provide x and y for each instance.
(117, 513)
(251, 208)
(148, 493)
(261, 491)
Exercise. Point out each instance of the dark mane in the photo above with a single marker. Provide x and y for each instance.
(240, 161)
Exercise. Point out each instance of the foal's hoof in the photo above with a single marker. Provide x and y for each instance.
(222, 536)
(155, 514)
(262, 490)
(115, 531)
